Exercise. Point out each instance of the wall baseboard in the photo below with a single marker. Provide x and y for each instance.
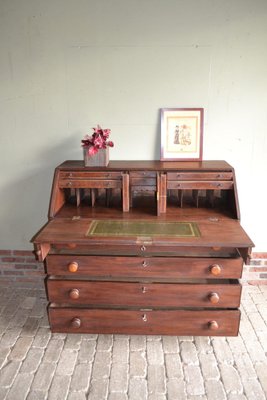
(20, 268)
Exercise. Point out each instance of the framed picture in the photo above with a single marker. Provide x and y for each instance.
(181, 134)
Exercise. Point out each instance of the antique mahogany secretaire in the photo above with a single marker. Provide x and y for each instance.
(144, 247)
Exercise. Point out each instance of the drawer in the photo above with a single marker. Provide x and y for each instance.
(90, 175)
(145, 267)
(201, 176)
(144, 294)
(214, 185)
(143, 174)
(143, 182)
(146, 248)
(145, 322)
(90, 183)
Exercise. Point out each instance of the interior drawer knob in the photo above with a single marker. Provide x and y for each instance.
(213, 325)
(144, 289)
(215, 269)
(73, 266)
(214, 298)
(76, 323)
(143, 248)
(74, 294)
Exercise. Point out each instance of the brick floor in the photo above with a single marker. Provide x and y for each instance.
(35, 364)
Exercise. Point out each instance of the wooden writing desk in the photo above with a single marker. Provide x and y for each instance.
(144, 247)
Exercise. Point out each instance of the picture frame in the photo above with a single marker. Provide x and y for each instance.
(181, 134)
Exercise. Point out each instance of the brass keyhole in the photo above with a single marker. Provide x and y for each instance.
(145, 264)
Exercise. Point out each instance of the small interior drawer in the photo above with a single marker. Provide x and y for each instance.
(90, 183)
(200, 176)
(90, 175)
(194, 185)
(143, 182)
(143, 174)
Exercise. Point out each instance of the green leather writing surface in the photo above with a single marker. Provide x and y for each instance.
(142, 228)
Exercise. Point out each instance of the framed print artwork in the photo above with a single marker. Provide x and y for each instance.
(181, 134)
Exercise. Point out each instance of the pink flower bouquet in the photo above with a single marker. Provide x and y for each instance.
(98, 140)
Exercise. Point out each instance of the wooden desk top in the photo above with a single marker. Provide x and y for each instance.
(154, 165)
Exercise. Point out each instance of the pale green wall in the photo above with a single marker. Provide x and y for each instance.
(67, 65)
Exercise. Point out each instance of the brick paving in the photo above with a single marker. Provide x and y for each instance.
(38, 365)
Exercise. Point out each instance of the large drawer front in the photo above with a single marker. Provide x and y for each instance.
(144, 294)
(145, 322)
(145, 267)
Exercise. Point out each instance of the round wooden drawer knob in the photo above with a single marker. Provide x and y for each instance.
(74, 294)
(214, 298)
(76, 323)
(213, 325)
(215, 269)
(73, 266)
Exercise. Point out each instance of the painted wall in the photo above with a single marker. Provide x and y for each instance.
(67, 65)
